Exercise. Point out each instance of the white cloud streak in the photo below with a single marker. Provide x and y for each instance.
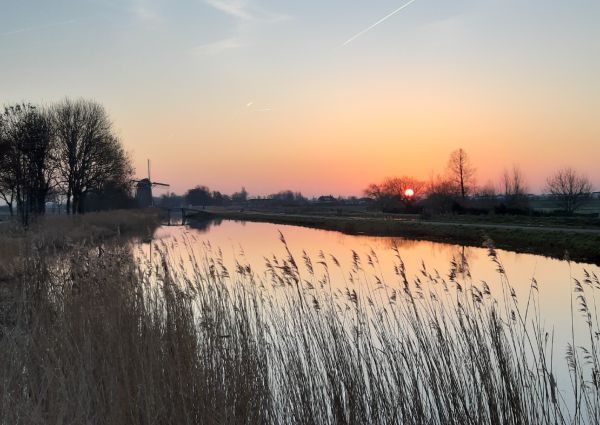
(243, 10)
(250, 105)
(41, 27)
(385, 18)
(217, 47)
(235, 8)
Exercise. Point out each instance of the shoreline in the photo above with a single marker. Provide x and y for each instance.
(581, 244)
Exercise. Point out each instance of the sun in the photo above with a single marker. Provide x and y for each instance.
(409, 193)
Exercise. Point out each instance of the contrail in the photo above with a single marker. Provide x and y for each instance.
(385, 18)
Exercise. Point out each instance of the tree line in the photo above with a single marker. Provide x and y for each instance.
(202, 195)
(65, 151)
(456, 190)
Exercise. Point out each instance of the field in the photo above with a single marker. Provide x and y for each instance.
(99, 332)
(591, 207)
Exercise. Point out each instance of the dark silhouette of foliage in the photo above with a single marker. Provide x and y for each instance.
(88, 152)
(288, 197)
(26, 161)
(515, 189)
(241, 196)
(66, 151)
(200, 195)
(170, 201)
(392, 196)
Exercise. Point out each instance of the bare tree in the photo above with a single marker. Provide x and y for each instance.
(441, 193)
(404, 190)
(569, 188)
(26, 175)
(408, 189)
(241, 196)
(8, 184)
(461, 172)
(487, 191)
(441, 185)
(88, 153)
(515, 188)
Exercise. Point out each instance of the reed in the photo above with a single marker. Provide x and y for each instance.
(65, 232)
(103, 334)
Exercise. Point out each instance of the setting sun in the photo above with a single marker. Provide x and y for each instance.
(409, 193)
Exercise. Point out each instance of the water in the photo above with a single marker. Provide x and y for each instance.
(251, 243)
(255, 241)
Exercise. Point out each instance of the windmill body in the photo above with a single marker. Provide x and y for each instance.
(143, 190)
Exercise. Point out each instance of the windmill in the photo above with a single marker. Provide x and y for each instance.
(143, 190)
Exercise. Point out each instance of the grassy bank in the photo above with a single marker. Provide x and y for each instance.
(523, 220)
(578, 246)
(53, 233)
(98, 336)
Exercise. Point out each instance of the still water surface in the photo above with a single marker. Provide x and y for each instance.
(251, 243)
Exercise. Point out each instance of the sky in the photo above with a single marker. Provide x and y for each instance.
(311, 95)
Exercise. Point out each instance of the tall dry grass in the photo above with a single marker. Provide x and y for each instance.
(59, 232)
(102, 335)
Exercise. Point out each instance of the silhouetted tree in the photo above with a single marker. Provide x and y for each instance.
(461, 172)
(570, 189)
(111, 195)
(26, 169)
(87, 151)
(218, 198)
(200, 195)
(8, 182)
(170, 201)
(241, 196)
(515, 188)
(392, 193)
(376, 194)
(487, 191)
(288, 196)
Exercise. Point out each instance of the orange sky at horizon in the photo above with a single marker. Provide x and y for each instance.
(340, 143)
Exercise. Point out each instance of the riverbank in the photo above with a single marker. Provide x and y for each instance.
(53, 233)
(577, 243)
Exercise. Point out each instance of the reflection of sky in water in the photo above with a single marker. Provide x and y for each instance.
(251, 242)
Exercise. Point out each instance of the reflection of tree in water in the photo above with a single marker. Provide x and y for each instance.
(465, 255)
(203, 226)
(389, 243)
(462, 255)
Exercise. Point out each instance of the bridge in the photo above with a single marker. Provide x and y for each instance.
(178, 216)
